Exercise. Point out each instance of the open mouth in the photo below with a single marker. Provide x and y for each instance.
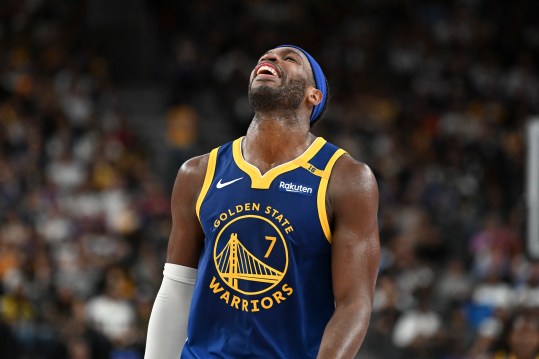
(266, 69)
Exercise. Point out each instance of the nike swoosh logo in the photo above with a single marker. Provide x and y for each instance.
(224, 184)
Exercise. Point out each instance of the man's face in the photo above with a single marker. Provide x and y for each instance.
(279, 80)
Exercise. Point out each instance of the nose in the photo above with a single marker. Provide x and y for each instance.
(270, 56)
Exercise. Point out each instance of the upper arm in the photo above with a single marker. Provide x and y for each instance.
(186, 236)
(353, 199)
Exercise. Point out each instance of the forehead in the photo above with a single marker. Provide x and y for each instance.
(290, 50)
(285, 50)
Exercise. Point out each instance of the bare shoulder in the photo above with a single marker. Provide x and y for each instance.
(191, 175)
(194, 167)
(188, 183)
(352, 178)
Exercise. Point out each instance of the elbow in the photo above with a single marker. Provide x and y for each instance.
(359, 308)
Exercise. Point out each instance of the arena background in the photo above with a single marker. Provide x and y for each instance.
(101, 102)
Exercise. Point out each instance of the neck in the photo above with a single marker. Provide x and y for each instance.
(272, 142)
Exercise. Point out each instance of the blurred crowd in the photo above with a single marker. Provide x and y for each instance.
(434, 96)
(83, 221)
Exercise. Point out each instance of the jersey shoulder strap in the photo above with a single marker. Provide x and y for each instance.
(208, 178)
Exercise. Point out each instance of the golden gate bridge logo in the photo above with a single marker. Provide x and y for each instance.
(239, 268)
(235, 262)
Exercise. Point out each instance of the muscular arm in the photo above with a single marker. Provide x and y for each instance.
(353, 204)
(167, 329)
(186, 237)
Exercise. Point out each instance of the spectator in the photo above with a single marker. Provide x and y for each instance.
(111, 313)
(520, 339)
(419, 330)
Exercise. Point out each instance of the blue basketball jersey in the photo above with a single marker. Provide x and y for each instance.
(264, 286)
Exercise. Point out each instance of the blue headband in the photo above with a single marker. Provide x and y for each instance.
(319, 79)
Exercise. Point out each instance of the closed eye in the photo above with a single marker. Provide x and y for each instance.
(290, 58)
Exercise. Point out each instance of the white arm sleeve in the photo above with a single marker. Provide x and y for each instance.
(167, 329)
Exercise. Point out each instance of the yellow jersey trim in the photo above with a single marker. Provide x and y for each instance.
(210, 171)
(315, 171)
(322, 189)
(260, 181)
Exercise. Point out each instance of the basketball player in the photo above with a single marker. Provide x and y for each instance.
(274, 247)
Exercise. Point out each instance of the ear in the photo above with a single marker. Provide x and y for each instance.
(314, 95)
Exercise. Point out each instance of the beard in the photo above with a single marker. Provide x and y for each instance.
(288, 97)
